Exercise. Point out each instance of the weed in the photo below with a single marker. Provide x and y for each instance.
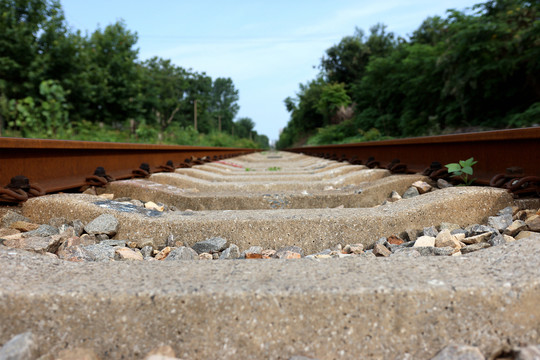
(462, 170)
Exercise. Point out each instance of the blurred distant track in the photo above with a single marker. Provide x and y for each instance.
(58, 165)
(503, 156)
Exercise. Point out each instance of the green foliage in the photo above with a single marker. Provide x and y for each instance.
(477, 68)
(243, 127)
(462, 170)
(333, 97)
(344, 133)
(274, 168)
(48, 117)
(529, 116)
(55, 82)
(333, 133)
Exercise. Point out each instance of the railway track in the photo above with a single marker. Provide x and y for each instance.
(504, 156)
(56, 165)
(507, 159)
(306, 257)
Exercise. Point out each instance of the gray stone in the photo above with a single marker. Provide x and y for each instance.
(479, 229)
(36, 244)
(101, 237)
(444, 251)
(501, 222)
(443, 184)
(78, 226)
(20, 347)
(182, 253)
(497, 240)
(509, 210)
(103, 224)
(10, 217)
(295, 249)
(147, 251)
(232, 252)
(99, 252)
(211, 245)
(42, 231)
(461, 352)
(410, 192)
(430, 231)
(425, 250)
(297, 357)
(531, 352)
(458, 231)
(121, 243)
(475, 247)
(75, 253)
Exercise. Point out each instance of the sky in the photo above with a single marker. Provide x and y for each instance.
(266, 47)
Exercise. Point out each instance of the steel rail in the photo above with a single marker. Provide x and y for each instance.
(58, 165)
(495, 151)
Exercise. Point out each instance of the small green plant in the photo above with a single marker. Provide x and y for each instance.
(462, 169)
(250, 169)
(274, 168)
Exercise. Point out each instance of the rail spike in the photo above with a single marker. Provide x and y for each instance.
(19, 190)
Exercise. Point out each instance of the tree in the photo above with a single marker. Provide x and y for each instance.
(114, 76)
(243, 128)
(224, 104)
(27, 28)
(333, 98)
(164, 86)
(346, 61)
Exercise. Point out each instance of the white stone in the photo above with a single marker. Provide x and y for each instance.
(424, 241)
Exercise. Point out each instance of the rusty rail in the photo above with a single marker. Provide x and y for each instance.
(514, 153)
(58, 165)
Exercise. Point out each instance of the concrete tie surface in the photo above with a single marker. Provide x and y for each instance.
(311, 229)
(365, 194)
(325, 309)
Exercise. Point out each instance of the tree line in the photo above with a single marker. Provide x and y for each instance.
(59, 83)
(473, 69)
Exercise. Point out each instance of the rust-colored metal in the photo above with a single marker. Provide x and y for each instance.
(100, 178)
(58, 165)
(168, 167)
(495, 151)
(20, 189)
